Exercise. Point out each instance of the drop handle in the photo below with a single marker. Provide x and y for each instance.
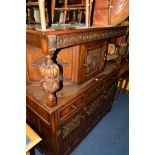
(85, 65)
(96, 79)
(82, 117)
(85, 108)
(88, 113)
(113, 77)
(74, 107)
(98, 90)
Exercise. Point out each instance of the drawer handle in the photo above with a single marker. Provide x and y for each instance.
(85, 108)
(74, 107)
(85, 65)
(96, 79)
(82, 117)
(88, 113)
(98, 90)
(113, 78)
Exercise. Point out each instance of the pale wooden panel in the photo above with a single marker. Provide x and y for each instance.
(33, 55)
(66, 56)
(33, 136)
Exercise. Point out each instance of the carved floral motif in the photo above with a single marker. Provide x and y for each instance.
(51, 42)
(49, 80)
(69, 127)
(83, 37)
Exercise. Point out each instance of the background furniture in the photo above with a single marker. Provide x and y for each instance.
(110, 12)
(72, 10)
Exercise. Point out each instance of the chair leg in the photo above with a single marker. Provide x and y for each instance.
(118, 89)
(125, 86)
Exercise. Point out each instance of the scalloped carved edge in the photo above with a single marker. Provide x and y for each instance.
(83, 37)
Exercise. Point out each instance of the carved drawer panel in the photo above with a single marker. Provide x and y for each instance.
(70, 109)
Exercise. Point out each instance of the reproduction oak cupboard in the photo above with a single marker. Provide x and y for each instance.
(70, 85)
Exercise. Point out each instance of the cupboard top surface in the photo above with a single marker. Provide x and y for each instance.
(67, 28)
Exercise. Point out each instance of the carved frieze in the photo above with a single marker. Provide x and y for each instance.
(71, 39)
(69, 127)
(51, 42)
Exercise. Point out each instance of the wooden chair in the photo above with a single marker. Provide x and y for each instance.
(84, 6)
(51, 10)
(30, 4)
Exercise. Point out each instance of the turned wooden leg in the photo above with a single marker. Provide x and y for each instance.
(49, 79)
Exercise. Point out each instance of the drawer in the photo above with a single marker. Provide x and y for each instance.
(110, 92)
(94, 92)
(92, 106)
(70, 109)
(111, 79)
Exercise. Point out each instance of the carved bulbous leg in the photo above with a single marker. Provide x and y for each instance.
(49, 80)
(50, 86)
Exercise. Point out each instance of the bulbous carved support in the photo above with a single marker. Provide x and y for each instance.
(49, 79)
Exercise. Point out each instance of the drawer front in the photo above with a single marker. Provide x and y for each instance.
(92, 106)
(110, 80)
(92, 114)
(93, 92)
(107, 99)
(110, 92)
(70, 109)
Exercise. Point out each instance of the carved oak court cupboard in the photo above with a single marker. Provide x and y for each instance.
(72, 64)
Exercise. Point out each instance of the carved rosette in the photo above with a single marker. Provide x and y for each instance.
(49, 80)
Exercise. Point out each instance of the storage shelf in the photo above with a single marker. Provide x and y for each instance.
(79, 8)
(32, 4)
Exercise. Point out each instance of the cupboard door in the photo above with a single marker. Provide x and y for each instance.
(92, 59)
(70, 133)
(65, 145)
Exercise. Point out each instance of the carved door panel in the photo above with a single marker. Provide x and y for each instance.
(92, 59)
(65, 145)
(75, 136)
(70, 133)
